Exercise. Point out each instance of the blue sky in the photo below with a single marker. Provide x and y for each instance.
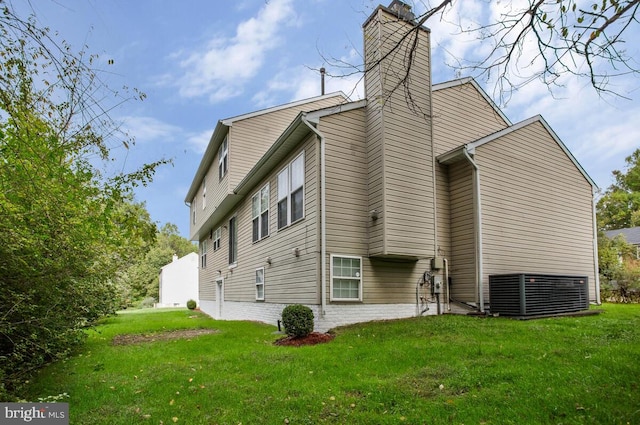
(199, 61)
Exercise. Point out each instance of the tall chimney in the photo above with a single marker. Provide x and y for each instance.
(399, 147)
(322, 72)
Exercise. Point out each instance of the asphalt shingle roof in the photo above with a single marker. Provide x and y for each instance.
(631, 234)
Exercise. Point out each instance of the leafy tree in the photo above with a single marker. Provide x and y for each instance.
(141, 279)
(619, 268)
(619, 206)
(67, 229)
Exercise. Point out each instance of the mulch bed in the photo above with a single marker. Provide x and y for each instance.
(160, 336)
(312, 339)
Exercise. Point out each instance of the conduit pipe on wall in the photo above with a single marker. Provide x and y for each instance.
(323, 217)
(446, 282)
(477, 209)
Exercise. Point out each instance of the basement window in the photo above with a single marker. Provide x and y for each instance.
(346, 278)
(260, 284)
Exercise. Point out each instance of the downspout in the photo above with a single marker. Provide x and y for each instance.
(477, 206)
(433, 170)
(596, 265)
(323, 218)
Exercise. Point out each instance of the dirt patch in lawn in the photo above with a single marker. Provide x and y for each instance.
(161, 336)
(312, 339)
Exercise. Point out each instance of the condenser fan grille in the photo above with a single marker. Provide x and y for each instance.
(537, 294)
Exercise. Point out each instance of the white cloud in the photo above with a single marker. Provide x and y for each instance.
(302, 82)
(148, 129)
(199, 141)
(225, 64)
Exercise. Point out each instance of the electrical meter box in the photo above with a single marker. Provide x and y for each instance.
(437, 263)
(437, 284)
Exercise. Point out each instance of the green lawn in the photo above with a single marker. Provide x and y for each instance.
(444, 369)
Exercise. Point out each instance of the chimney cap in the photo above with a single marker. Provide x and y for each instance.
(402, 9)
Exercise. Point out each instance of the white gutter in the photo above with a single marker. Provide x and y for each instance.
(323, 217)
(596, 273)
(477, 206)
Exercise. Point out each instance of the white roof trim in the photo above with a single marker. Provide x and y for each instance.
(474, 83)
(537, 118)
(229, 121)
(314, 116)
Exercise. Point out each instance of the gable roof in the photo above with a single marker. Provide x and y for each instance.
(469, 80)
(222, 128)
(454, 154)
(295, 133)
(631, 234)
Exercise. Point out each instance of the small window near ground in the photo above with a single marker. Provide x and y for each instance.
(260, 284)
(346, 278)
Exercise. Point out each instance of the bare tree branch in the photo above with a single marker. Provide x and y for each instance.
(543, 40)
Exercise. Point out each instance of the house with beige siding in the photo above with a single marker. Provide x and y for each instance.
(388, 207)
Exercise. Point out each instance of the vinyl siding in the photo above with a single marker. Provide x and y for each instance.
(289, 279)
(252, 137)
(348, 217)
(217, 190)
(462, 115)
(249, 139)
(536, 207)
(346, 179)
(462, 266)
(398, 134)
(216, 260)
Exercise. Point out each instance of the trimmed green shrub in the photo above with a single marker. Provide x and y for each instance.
(191, 305)
(297, 320)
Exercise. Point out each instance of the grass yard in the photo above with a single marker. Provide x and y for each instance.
(429, 370)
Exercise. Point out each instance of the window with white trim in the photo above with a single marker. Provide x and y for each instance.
(260, 214)
(223, 158)
(217, 235)
(203, 254)
(260, 284)
(204, 192)
(291, 193)
(233, 241)
(346, 278)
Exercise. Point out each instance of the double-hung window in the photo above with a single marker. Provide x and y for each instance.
(223, 158)
(260, 284)
(203, 254)
(260, 214)
(291, 193)
(233, 241)
(346, 278)
(217, 235)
